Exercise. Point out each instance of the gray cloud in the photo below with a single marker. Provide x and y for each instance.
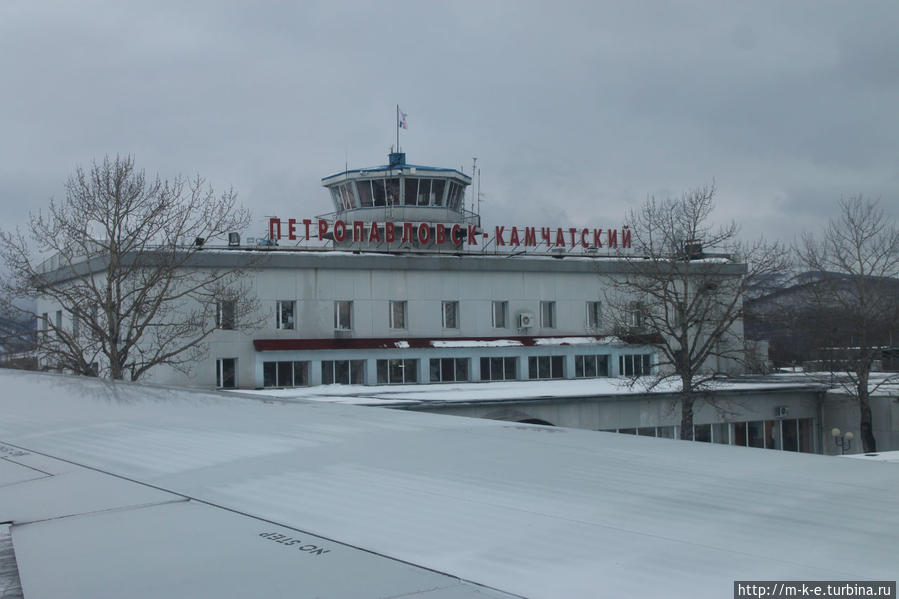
(576, 111)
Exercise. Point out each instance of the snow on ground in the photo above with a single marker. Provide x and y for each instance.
(475, 343)
(578, 341)
(879, 383)
(880, 456)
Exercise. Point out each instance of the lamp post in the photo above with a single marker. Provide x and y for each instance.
(843, 441)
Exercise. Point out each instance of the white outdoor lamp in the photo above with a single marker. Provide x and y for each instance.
(843, 441)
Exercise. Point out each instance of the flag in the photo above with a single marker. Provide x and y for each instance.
(401, 119)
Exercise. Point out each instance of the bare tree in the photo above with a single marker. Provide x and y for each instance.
(684, 287)
(120, 273)
(857, 262)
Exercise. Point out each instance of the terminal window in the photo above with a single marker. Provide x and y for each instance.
(448, 370)
(594, 314)
(285, 374)
(450, 315)
(226, 373)
(546, 367)
(548, 315)
(343, 372)
(500, 315)
(635, 315)
(789, 435)
(224, 314)
(499, 369)
(702, 432)
(393, 372)
(591, 366)
(397, 315)
(635, 364)
(343, 315)
(285, 312)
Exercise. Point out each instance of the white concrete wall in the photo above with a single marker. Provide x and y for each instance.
(315, 292)
(315, 280)
(841, 411)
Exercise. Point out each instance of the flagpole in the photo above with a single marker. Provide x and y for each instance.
(397, 127)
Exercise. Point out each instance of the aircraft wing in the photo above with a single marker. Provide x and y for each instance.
(125, 490)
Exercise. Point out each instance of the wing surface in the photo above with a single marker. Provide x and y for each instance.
(135, 490)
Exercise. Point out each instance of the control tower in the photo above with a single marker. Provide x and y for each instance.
(423, 196)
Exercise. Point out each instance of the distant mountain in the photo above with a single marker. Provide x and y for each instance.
(785, 312)
(16, 335)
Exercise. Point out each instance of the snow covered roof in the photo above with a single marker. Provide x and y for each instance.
(513, 391)
(140, 491)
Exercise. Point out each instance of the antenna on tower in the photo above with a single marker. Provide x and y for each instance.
(479, 192)
(474, 168)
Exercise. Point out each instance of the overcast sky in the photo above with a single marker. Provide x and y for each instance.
(576, 111)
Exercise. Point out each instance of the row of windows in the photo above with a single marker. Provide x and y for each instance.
(393, 372)
(344, 372)
(285, 374)
(635, 364)
(440, 370)
(546, 367)
(44, 325)
(795, 434)
(285, 314)
(391, 192)
(224, 318)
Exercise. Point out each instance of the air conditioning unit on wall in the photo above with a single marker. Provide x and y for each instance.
(525, 320)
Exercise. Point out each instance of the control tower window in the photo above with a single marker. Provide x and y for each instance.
(335, 197)
(411, 193)
(450, 192)
(451, 195)
(379, 192)
(393, 192)
(458, 197)
(424, 188)
(347, 195)
(363, 188)
(437, 186)
(452, 198)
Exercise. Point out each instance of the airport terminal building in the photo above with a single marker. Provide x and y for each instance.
(410, 288)
(402, 284)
